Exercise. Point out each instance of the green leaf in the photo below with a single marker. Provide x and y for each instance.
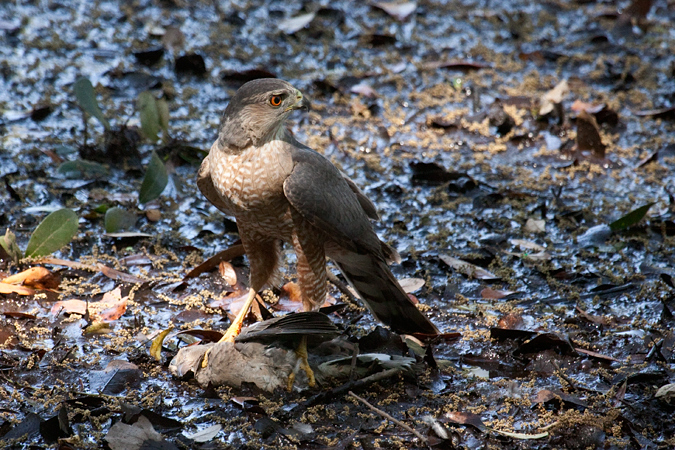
(631, 218)
(55, 231)
(86, 98)
(81, 167)
(118, 219)
(155, 180)
(101, 209)
(8, 242)
(150, 119)
(163, 109)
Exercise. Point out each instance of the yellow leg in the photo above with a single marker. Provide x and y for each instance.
(235, 328)
(301, 351)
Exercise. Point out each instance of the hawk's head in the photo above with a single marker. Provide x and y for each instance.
(257, 112)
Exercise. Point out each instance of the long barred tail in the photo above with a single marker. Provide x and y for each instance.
(384, 297)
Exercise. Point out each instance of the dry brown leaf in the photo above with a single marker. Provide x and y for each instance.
(527, 245)
(35, 277)
(468, 269)
(495, 294)
(554, 96)
(14, 289)
(116, 275)
(69, 307)
(228, 273)
(410, 285)
(111, 307)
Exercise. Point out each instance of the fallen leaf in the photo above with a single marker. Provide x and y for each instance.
(156, 347)
(206, 434)
(86, 98)
(81, 168)
(399, 11)
(118, 219)
(468, 269)
(111, 307)
(588, 135)
(34, 277)
(554, 96)
(495, 294)
(295, 24)
(464, 418)
(521, 436)
(69, 307)
(290, 298)
(527, 245)
(666, 392)
(228, 273)
(146, 104)
(155, 180)
(132, 437)
(535, 226)
(116, 275)
(206, 336)
(410, 285)
(228, 254)
(127, 234)
(511, 321)
(55, 231)
(631, 218)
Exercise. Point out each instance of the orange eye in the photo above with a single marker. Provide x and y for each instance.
(275, 100)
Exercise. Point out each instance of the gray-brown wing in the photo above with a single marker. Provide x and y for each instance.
(319, 192)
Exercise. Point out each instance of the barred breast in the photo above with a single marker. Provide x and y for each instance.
(252, 185)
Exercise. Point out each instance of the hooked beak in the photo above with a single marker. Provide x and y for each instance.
(301, 103)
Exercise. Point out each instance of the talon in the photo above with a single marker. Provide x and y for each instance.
(235, 328)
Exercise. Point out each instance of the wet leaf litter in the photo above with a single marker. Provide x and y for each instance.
(438, 112)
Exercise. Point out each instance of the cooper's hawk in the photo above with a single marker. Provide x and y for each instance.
(279, 190)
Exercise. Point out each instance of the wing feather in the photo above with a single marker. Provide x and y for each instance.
(320, 193)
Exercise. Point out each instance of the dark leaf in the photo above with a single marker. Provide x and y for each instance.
(149, 57)
(55, 231)
(81, 168)
(86, 98)
(631, 218)
(588, 135)
(118, 219)
(156, 179)
(150, 119)
(191, 63)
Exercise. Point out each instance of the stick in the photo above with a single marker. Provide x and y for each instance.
(390, 418)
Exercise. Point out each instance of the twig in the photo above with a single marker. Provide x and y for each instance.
(347, 387)
(341, 286)
(563, 376)
(390, 418)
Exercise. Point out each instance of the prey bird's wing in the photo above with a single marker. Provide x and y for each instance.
(322, 195)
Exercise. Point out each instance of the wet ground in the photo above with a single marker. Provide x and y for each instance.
(453, 118)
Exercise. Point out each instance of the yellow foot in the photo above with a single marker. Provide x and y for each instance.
(235, 328)
(303, 364)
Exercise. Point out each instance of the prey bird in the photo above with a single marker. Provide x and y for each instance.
(280, 190)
